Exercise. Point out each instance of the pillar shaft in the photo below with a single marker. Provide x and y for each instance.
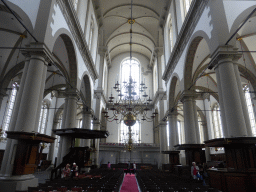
(96, 126)
(69, 121)
(190, 120)
(173, 132)
(24, 113)
(222, 107)
(87, 119)
(27, 117)
(163, 142)
(243, 101)
(52, 145)
(234, 115)
(208, 116)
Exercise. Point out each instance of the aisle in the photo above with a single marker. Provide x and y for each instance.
(129, 184)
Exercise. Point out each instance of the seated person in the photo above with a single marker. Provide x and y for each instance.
(66, 171)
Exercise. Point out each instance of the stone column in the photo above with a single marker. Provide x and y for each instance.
(222, 108)
(190, 120)
(173, 132)
(96, 126)
(159, 53)
(192, 146)
(52, 145)
(243, 102)
(69, 121)
(224, 59)
(87, 119)
(206, 138)
(25, 113)
(31, 98)
(163, 141)
(156, 135)
(196, 121)
(208, 115)
(101, 51)
(6, 168)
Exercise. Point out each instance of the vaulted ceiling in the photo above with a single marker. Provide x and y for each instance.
(113, 19)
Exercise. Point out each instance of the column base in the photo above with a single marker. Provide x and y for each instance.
(18, 183)
(193, 152)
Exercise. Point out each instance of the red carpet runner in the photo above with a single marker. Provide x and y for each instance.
(129, 184)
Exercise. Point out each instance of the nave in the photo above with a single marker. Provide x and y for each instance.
(116, 180)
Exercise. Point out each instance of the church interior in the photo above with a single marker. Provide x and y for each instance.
(113, 87)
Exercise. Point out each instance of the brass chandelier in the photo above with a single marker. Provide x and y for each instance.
(130, 105)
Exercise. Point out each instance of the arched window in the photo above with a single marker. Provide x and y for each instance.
(130, 67)
(124, 133)
(201, 132)
(9, 109)
(186, 5)
(181, 134)
(171, 33)
(59, 127)
(168, 133)
(155, 79)
(250, 108)
(91, 34)
(218, 132)
(43, 118)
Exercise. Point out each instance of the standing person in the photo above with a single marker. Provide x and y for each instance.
(134, 167)
(194, 170)
(109, 165)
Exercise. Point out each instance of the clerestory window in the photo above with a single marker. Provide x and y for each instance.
(43, 118)
(250, 108)
(10, 106)
(218, 132)
(91, 34)
(181, 134)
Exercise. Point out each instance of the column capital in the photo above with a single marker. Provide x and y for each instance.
(204, 124)
(222, 53)
(188, 95)
(102, 50)
(159, 51)
(206, 96)
(86, 110)
(162, 123)
(38, 49)
(173, 112)
(69, 93)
